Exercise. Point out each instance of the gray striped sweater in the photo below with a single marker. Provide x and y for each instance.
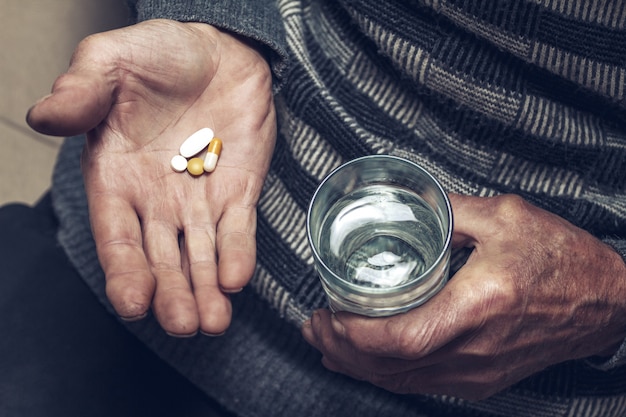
(524, 97)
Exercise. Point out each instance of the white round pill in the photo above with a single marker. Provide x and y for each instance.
(195, 143)
(179, 163)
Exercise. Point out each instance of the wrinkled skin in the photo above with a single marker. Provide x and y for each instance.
(536, 291)
(138, 92)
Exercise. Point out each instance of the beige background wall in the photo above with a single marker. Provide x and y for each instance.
(37, 38)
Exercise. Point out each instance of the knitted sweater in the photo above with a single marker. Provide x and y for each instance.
(524, 97)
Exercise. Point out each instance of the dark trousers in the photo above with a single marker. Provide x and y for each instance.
(61, 353)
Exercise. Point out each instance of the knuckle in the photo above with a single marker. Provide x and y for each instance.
(403, 337)
(510, 208)
(492, 291)
(159, 268)
(96, 50)
(87, 46)
(500, 292)
(61, 80)
(406, 342)
(94, 42)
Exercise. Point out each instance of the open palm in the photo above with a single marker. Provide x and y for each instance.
(176, 242)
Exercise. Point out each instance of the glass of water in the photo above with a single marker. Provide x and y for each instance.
(380, 228)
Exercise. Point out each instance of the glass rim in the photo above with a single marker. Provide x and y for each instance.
(359, 289)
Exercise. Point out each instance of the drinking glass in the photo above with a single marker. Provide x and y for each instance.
(380, 229)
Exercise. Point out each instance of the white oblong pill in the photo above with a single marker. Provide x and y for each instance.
(179, 163)
(210, 161)
(195, 143)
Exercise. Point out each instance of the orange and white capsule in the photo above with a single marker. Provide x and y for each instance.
(212, 155)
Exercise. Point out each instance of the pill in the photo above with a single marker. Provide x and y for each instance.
(194, 166)
(213, 153)
(179, 163)
(196, 142)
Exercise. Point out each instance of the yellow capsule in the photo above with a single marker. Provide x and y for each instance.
(194, 166)
(213, 154)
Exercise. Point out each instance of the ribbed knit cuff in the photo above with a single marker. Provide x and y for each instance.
(619, 358)
(618, 245)
(259, 20)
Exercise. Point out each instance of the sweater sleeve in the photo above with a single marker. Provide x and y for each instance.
(259, 20)
(619, 357)
(618, 245)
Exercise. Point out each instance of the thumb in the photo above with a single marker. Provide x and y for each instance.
(78, 103)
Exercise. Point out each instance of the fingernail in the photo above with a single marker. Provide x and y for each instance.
(315, 318)
(181, 336)
(133, 318)
(307, 331)
(212, 334)
(231, 290)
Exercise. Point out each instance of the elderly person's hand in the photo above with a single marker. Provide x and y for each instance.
(536, 291)
(176, 242)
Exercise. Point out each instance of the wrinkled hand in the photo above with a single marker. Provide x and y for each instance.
(536, 291)
(163, 238)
